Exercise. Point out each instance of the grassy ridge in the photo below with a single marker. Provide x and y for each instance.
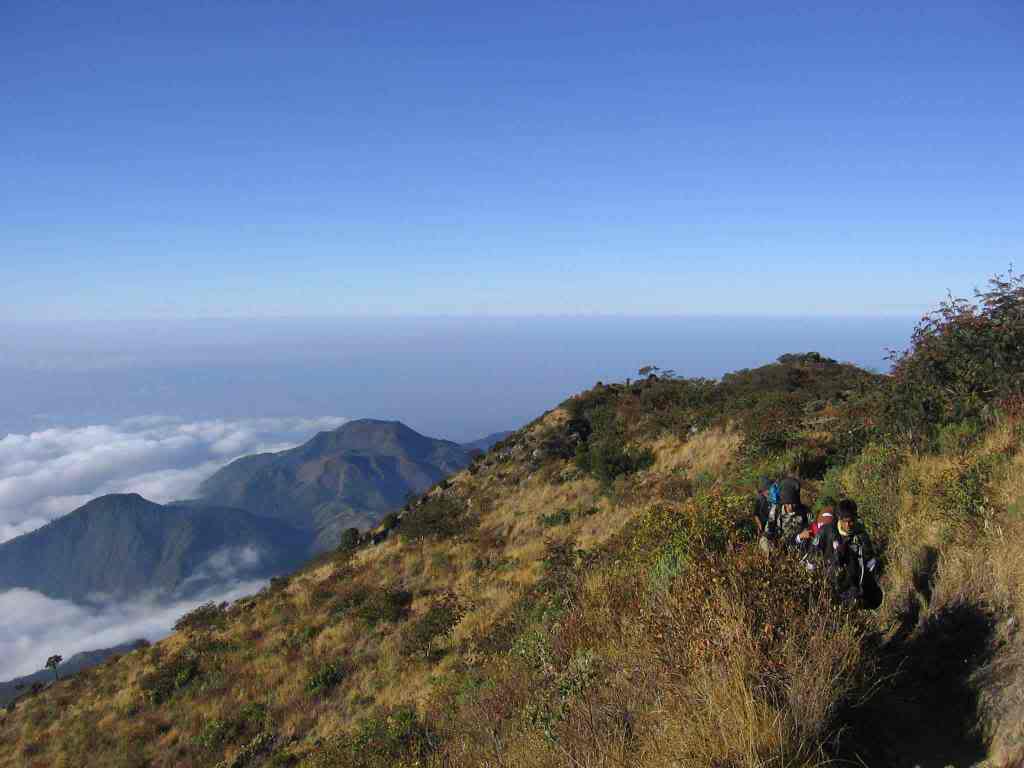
(590, 594)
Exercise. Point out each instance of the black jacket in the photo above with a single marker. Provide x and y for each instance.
(761, 507)
(851, 559)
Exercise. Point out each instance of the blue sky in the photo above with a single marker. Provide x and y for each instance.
(261, 159)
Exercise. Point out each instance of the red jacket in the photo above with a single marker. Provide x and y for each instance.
(827, 517)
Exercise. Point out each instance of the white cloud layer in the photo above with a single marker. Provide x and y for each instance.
(35, 626)
(46, 474)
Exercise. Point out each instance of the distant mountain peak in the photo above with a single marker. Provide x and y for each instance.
(122, 544)
(350, 476)
(114, 498)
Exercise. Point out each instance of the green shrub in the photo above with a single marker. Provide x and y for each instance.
(964, 359)
(206, 617)
(873, 481)
(381, 605)
(372, 605)
(350, 597)
(303, 637)
(832, 484)
(957, 438)
(438, 517)
(1016, 508)
(388, 739)
(966, 497)
(595, 408)
(325, 677)
(669, 540)
(771, 421)
(216, 733)
(349, 540)
(396, 735)
(561, 517)
(439, 620)
(174, 675)
(560, 560)
(606, 459)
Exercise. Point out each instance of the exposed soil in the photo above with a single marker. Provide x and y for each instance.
(925, 712)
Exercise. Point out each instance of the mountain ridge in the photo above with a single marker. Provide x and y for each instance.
(123, 545)
(159, 547)
(593, 593)
(347, 477)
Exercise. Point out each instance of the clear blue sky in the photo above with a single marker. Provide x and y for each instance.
(315, 158)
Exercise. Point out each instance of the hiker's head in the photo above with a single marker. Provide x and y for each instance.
(789, 494)
(846, 516)
(763, 485)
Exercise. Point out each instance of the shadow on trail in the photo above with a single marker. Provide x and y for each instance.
(925, 712)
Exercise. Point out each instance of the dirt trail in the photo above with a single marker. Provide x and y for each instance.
(925, 713)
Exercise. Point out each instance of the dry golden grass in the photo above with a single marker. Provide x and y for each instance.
(695, 673)
(652, 698)
(268, 661)
(707, 451)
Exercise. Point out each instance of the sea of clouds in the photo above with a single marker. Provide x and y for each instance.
(46, 474)
(35, 626)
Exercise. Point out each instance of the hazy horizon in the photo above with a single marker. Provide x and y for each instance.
(441, 376)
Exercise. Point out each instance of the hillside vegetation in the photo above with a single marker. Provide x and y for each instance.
(590, 594)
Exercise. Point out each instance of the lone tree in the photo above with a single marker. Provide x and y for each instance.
(350, 538)
(53, 662)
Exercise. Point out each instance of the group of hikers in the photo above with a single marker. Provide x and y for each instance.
(834, 541)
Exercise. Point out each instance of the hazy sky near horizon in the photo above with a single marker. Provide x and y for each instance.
(456, 378)
(263, 159)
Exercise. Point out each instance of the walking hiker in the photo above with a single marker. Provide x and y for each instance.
(848, 551)
(787, 517)
(762, 504)
(793, 515)
(825, 519)
(766, 513)
(826, 516)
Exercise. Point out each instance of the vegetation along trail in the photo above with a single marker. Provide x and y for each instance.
(591, 593)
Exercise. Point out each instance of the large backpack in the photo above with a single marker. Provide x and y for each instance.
(772, 524)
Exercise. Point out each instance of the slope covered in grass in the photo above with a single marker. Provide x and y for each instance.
(590, 593)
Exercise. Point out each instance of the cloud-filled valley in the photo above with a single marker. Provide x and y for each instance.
(36, 626)
(46, 474)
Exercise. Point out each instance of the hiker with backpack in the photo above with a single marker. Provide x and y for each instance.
(793, 516)
(850, 557)
(826, 516)
(766, 513)
(763, 504)
(787, 517)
